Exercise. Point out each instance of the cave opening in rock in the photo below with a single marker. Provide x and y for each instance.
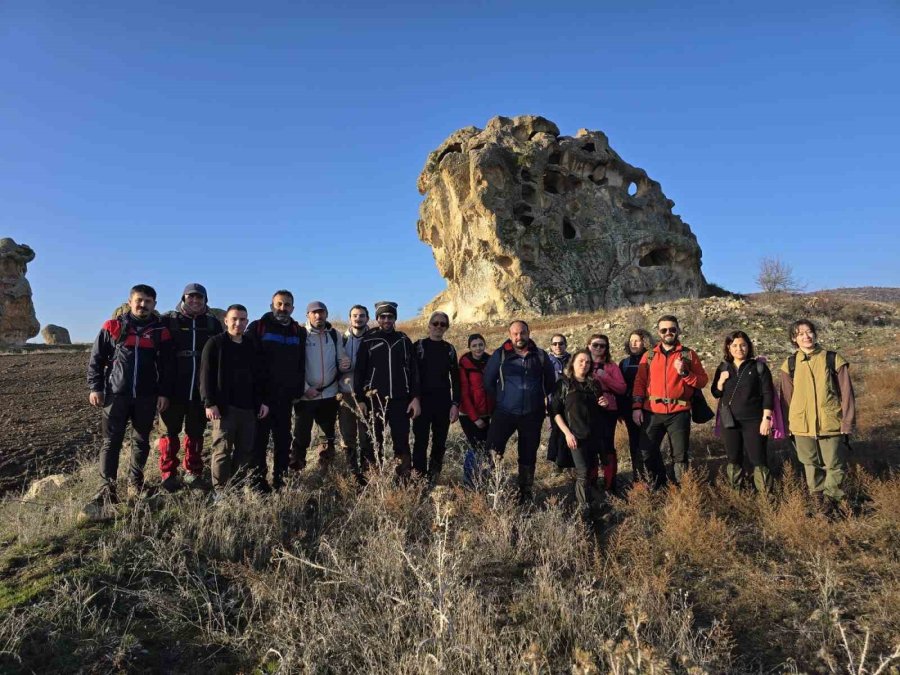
(632, 188)
(555, 158)
(589, 147)
(657, 257)
(453, 147)
(526, 220)
(526, 175)
(504, 261)
(568, 230)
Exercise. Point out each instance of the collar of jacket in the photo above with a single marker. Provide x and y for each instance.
(817, 349)
(510, 347)
(349, 333)
(269, 318)
(181, 309)
(659, 350)
(310, 328)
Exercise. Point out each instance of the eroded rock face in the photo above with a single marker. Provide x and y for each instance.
(55, 335)
(521, 219)
(17, 320)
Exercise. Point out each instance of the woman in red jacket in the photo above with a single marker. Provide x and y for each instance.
(609, 377)
(475, 405)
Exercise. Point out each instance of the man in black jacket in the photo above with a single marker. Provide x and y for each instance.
(281, 343)
(191, 326)
(231, 385)
(439, 386)
(386, 383)
(130, 376)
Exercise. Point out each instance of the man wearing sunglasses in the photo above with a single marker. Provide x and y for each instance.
(559, 357)
(439, 378)
(666, 379)
(386, 384)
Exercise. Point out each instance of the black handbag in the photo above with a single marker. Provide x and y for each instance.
(701, 413)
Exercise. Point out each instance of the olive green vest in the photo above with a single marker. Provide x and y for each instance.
(815, 405)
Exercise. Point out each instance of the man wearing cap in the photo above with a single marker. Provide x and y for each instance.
(281, 343)
(352, 427)
(386, 383)
(191, 325)
(325, 361)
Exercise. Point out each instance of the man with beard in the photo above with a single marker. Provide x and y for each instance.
(519, 376)
(348, 418)
(325, 361)
(386, 383)
(191, 325)
(130, 376)
(666, 379)
(281, 343)
(558, 354)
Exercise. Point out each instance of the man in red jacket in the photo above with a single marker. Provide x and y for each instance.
(666, 379)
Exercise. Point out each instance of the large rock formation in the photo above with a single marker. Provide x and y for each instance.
(521, 219)
(17, 320)
(55, 335)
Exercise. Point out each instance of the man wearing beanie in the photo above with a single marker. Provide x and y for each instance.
(281, 345)
(386, 386)
(191, 326)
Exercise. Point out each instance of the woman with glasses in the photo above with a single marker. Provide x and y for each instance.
(609, 378)
(575, 411)
(639, 341)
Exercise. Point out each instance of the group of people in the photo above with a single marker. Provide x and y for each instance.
(275, 377)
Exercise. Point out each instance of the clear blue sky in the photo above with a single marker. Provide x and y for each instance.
(251, 146)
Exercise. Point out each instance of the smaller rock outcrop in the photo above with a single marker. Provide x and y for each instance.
(56, 335)
(17, 320)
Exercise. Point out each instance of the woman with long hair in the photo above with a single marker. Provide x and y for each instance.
(608, 377)
(639, 341)
(743, 385)
(475, 406)
(575, 410)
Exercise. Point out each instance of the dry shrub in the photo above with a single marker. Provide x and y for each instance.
(689, 529)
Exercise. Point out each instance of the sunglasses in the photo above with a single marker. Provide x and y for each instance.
(597, 345)
(386, 316)
(440, 324)
(663, 331)
(558, 344)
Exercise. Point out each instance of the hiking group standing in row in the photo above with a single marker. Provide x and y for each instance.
(275, 377)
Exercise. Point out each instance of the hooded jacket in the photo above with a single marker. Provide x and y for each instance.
(659, 389)
(815, 404)
(474, 399)
(189, 335)
(132, 358)
(282, 351)
(324, 349)
(386, 365)
(519, 384)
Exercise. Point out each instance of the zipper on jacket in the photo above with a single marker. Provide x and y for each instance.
(193, 357)
(137, 351)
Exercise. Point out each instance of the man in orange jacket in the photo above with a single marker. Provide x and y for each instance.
(666, 379)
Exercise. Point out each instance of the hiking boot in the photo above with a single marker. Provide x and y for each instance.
(101, 506)
(170, 484)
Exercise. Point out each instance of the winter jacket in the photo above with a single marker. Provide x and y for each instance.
(351, 349)
(816, 405)
(282, 350)
(386, 365)
(215, 375)
(748, 391)
(519, 384)
(659, 389)
(189, 335)
(609, 378)
(132, 358)
(559, 362)
(438, 368)
(577, 403)
(475, 401)
(324, 350)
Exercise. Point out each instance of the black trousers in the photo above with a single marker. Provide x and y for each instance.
(656, 426)
(392, 413)
(278, 424)
(322, 411)
(187, 415)
(504, 425)
(638, 472)
(476, 437)
(353, 427)
(434, 421)
(118, 410)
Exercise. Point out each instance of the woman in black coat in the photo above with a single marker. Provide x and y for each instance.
(744, 388)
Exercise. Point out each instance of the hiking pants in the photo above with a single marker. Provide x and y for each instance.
(742, 441)
(585, 459)
(656, 426)
(232, 445)
(638, 472)
(322, 411)
(476, 437)
(393, 413)
(118, 410)
(190, 416)
(824, 462)
(434, 420)
(528, 427)
(352, 429)
(278, 424)
(607, 447)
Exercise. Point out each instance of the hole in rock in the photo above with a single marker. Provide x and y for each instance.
(589, 147)
(632, 188)
(505, 262)
(453, 147)
(521, 208)
(526, 220)
(527, 192)
(568, 230)
(656, 257)
(556, 183)
(526, 175)
(554, 157)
